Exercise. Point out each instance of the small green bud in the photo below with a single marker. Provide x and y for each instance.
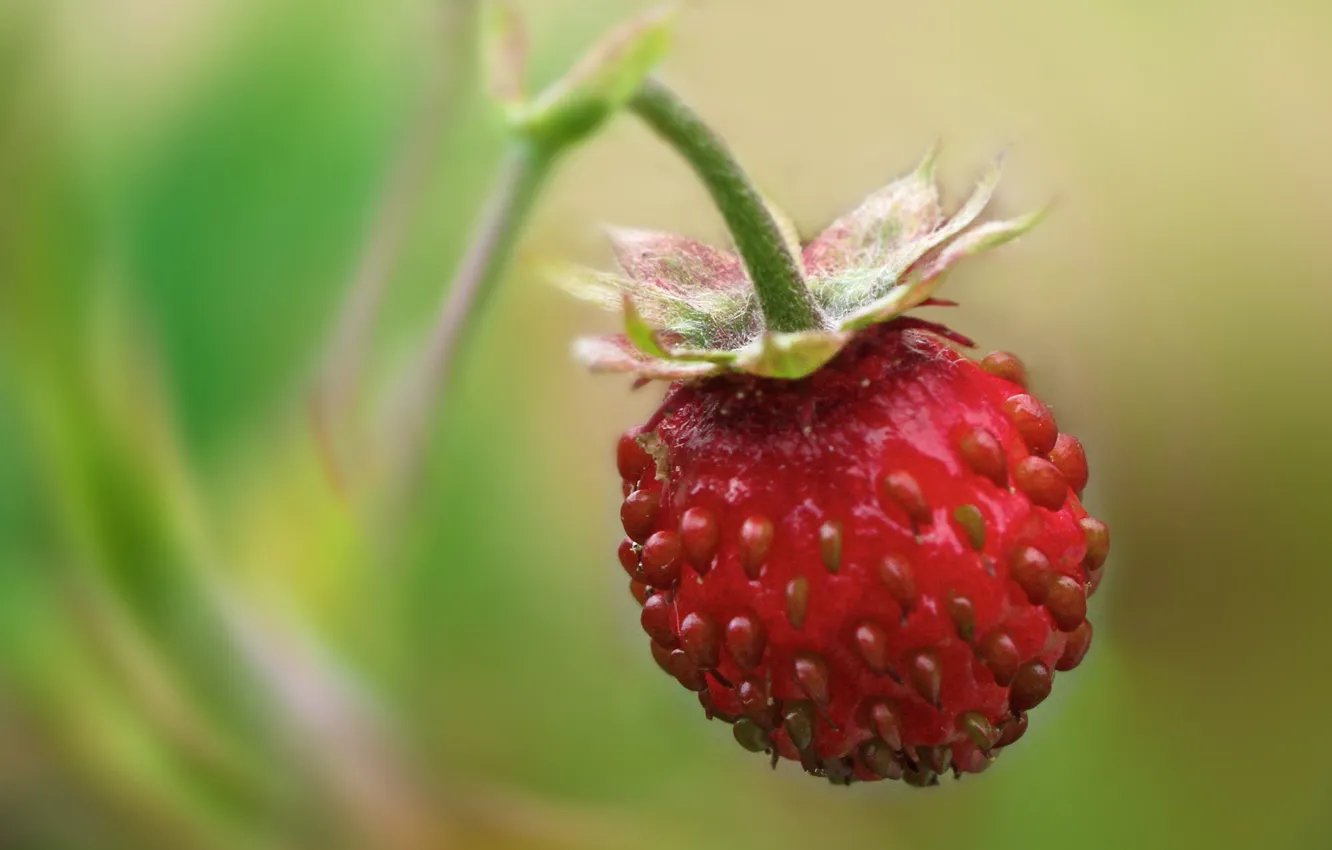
(601, 83)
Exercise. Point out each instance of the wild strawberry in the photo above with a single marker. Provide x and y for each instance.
(862, 549)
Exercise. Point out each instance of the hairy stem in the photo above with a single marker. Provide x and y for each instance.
(521, 175)
(783, 296)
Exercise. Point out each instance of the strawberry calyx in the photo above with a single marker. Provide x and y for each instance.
(692, 310)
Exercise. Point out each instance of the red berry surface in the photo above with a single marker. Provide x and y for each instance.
(876, 570)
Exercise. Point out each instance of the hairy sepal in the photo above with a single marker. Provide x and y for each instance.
(878, 252)
(921, 283)
(865, 238)
(690, 309)
(618, 354)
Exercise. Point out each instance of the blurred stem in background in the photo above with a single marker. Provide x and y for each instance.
(337, 394)
(541, 131)
(524, 169)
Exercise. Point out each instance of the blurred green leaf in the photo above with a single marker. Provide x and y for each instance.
(245, 223)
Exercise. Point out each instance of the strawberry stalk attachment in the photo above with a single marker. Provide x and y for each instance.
(770, 255)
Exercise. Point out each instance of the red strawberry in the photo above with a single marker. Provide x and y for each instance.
(861, 548)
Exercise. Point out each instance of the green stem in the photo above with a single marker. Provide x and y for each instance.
(522, 173)
(783, 296)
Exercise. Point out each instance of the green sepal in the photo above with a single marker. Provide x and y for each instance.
(920, 285)
(641, 334)
(790, 355)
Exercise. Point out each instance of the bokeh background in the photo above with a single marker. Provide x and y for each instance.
(208, 639)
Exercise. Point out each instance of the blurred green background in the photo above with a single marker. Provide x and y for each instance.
(207, 639)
